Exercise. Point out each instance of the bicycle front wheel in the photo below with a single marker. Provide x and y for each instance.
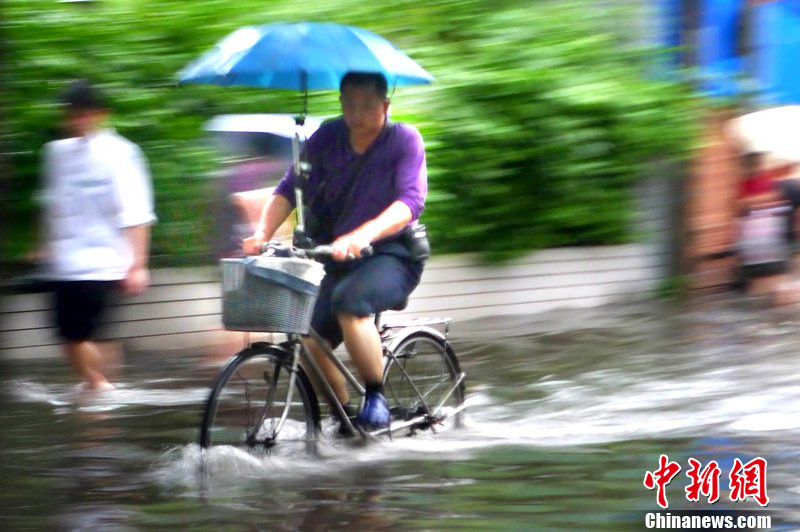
(258, 404)
(424, 379)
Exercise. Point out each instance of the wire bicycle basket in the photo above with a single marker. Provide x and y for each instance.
(269, 294)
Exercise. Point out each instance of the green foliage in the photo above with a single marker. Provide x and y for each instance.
(536, 127)
(541, 129)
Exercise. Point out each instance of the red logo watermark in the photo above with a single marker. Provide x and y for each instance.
(749, 480)
(746, 480)
(705, 482)
(661, 477)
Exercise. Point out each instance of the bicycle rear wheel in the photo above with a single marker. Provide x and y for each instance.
(254, 405)
(424, 379)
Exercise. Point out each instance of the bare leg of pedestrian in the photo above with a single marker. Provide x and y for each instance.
(223, 345)
(111, 359)
(762, 287)
(787, 291)
(86, 360)
(779, 290)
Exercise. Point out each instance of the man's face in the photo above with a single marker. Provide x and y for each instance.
(83, 122)
(363, 108)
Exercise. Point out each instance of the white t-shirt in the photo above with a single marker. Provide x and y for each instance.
(94, 187)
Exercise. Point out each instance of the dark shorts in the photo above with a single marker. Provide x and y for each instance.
(767, 269)
(363, 288)
(790, 188)
(79, 307)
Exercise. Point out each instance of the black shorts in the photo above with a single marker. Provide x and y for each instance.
(79, 307)
(363, 288)
(767, 269)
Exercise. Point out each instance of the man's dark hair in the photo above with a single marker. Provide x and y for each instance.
(362, 79)
(81, 96)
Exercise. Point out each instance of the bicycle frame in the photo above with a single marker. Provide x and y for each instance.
(300, 352)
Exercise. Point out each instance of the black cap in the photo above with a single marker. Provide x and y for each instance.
(81, 96)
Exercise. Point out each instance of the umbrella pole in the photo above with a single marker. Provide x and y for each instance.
(301, 169)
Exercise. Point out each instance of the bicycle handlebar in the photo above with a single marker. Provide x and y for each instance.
(318, 253)
(326, 252)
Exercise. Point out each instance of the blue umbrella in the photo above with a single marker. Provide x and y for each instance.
(302, 57)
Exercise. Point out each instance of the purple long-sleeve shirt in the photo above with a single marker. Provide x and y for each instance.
(393, 169)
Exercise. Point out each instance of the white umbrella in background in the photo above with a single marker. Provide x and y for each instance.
(248, 135)
(774, 132)
(242, 137)
(281, 125)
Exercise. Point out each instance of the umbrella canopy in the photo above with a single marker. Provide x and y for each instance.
(774, 132)
(302, 57)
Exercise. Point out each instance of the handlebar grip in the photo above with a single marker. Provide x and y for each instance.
(326, 252)
(319, 252)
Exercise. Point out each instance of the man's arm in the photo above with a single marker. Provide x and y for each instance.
(389, 222)
(275, 212)
(138, 277)
(134, 191)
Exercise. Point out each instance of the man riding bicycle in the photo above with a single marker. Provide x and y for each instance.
(367, 185)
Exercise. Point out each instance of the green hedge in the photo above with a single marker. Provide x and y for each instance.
(537, 126)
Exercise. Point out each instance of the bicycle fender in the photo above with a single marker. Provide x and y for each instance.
(395, 341)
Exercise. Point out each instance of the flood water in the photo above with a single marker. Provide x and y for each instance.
(567, 412)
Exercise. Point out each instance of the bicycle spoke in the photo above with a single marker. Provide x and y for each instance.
(256, 428)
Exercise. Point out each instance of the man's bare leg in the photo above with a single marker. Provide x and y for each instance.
(86, 360)
(329, 369)
(364, 345)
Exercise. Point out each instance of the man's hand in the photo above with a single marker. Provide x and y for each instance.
(349, 246)
(252, 245)
(136, 282)
(138, 277)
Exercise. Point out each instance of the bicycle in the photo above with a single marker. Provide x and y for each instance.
(263, 398)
